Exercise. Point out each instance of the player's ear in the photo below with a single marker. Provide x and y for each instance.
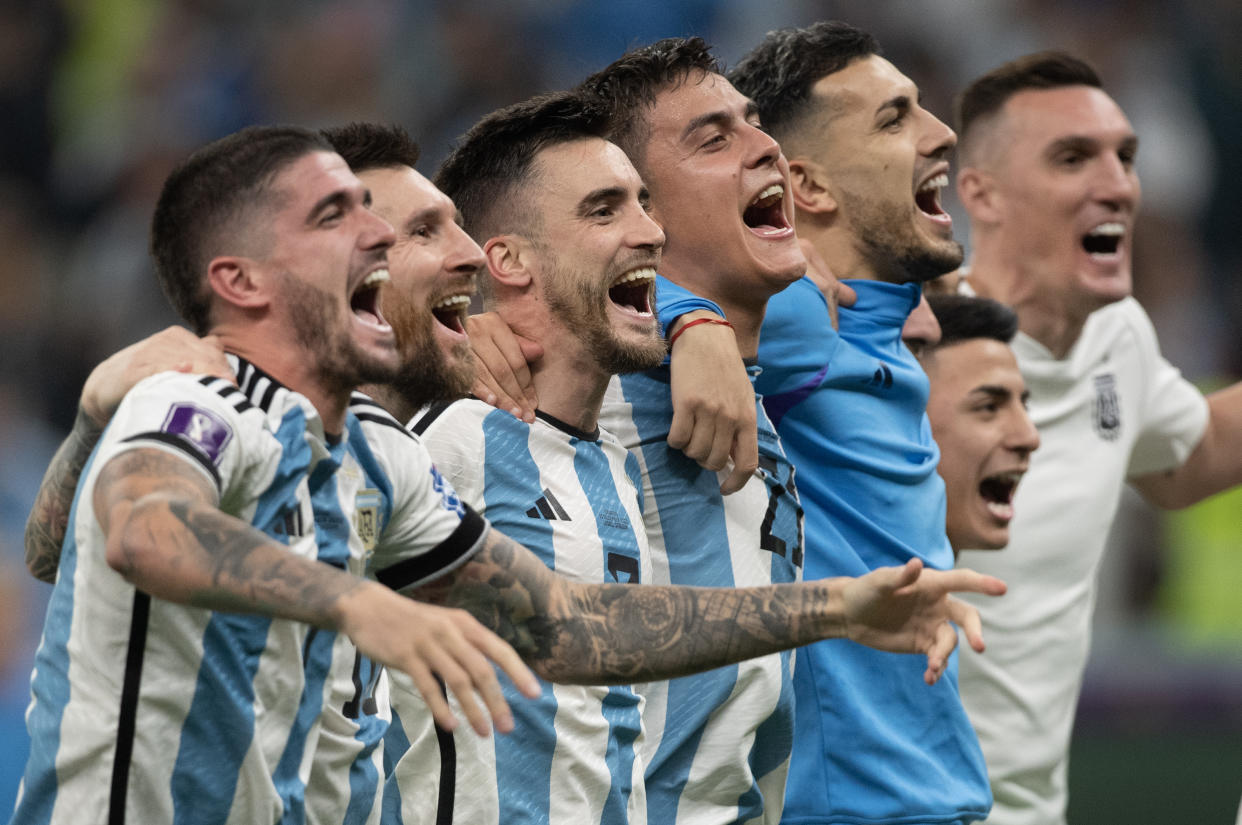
(509, 259)
(811, 191)
(239, 281)
(977, 191)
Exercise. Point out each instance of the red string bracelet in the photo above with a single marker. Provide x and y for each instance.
(721, 321)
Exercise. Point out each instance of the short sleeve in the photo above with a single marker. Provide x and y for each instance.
(796, 342)
(1175, 413)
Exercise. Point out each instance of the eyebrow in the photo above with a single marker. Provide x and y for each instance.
(901, 103)
(1083, 143)
(339, 198)
(606, 194)
(720, 117)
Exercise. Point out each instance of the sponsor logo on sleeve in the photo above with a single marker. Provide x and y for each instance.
(201, 427)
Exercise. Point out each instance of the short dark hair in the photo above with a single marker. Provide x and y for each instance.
(779, 73)
(207, 198)
(966, 317)
(489, 163)
(628, 86)
(1042, 70)
(373, 145)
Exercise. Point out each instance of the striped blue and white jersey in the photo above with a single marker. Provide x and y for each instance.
(571, 497)
(402, 536)
(148, 711)
(717, 744)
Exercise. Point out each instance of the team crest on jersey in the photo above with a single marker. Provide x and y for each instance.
(1107, 407)
(201, 427)
(366, 517)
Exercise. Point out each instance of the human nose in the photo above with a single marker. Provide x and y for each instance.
(1023, 436)
(465, 254)
(938, 139)
(762, 148)
(377, 233)
(644, 232)
(1117, 183)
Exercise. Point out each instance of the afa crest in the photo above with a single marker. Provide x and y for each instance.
(1106, 407)
(367, 517)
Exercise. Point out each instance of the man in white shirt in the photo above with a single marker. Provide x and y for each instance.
(1048, 178)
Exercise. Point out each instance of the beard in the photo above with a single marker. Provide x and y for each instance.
(340, 364)
(580, 307)
(427, 375)
(894, 248)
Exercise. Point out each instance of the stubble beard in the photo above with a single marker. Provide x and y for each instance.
(894, 248)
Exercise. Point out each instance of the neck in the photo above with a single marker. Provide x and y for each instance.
(744, 309)
(1047, 317)
(391, 400)
(290, 366)
(568, 382)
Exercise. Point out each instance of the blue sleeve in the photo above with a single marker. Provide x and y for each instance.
(673, 301)
(796, 342)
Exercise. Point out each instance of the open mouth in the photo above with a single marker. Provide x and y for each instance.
(365, 301)
(634, 289)
(997, 492)
(1105, 239)
(766, 214)
(927, 197)
(451, 312)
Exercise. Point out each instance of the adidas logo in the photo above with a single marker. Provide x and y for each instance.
(546, 506)
(882, 378)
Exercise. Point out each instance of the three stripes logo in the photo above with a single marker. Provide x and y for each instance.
(546, 506)
(883, 378)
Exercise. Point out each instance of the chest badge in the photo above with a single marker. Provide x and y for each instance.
(1107, 407)
(366, 517)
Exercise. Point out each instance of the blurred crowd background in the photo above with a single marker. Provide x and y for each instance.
(101, 97)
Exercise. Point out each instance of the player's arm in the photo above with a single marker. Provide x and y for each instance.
(599, 633)
(1214, 465)
(175, 348)
(167, 537)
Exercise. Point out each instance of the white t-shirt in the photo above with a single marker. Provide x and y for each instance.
(1112, 409)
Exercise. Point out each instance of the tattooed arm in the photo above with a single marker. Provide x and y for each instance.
(49, 518)
(601, 633)
(175, 348)
(166, 537)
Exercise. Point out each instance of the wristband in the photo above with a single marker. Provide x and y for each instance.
(721, 321)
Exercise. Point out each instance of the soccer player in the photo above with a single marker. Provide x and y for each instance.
(187, 640)
(571, 255)
(867, 163)
(977, 410)
(579, 633)
(1048, 179)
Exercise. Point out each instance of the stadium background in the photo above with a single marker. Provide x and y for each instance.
(99, 97)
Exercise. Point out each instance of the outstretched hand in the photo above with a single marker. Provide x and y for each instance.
(502, 359)
(909, 610)
(172, 349)
(427, 641)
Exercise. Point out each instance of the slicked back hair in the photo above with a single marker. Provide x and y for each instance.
(779, 73)
(485, 171)
(373, 145)
(987, 94)
(966, 317)
(627, 88)
(208, 199)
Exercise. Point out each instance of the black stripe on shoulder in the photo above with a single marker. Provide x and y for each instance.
(266, 401)
(235, 397)
(382, 418)
(127, 717)
(184, 445)
(422, 422)
(249, 376)
(442, 558)
(358, 399)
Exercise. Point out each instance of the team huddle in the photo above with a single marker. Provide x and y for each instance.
(674, 525)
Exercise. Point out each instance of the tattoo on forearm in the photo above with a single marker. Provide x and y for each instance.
(48, 523)
(248, 572)
(615, 632)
